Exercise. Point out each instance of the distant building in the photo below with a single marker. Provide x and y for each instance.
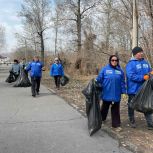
(4, 59)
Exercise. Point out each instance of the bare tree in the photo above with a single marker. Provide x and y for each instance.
(146, 27)
(19, 53)
(57, 19)
(76, 11)
(114, 23)
(36, 13)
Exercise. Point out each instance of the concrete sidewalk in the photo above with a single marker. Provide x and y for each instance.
(45, 124)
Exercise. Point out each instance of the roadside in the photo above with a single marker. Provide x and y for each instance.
(139, 139)
(45, 124)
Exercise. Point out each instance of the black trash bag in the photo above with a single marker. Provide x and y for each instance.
(23, 80)
(92, 93)
(64, 80)
(143, 100)
(11, 78)
(88, 91)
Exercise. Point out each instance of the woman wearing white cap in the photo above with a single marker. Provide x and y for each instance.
(56, 71)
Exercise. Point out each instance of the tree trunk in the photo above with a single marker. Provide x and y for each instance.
(135, 25)
(108, 32)
(42, 46)
(108, 28)
(56, 35)
(25, 50)
(79, 28)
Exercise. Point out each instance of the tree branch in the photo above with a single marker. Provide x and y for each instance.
(87, 9)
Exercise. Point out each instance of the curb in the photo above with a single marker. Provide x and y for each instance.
(121, 140)
(51, 90)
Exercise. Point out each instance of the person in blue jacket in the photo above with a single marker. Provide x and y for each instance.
(136, 72)
(112, 81)
(15, 69)
(35, 68)
(56, 71)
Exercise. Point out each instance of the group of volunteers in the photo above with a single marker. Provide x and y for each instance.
(36, 67)
(112, 80)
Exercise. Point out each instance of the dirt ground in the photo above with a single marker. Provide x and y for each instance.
(140, 137)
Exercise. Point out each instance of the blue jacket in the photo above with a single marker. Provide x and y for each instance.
(36, 68)
(16, 68)
(135, 71)
(113, 83)
(56, 69)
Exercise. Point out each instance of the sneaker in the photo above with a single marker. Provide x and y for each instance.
(150, 127)
(132, 125)
(104, 123)
(118, 129)
(37, 93)
(33, 95)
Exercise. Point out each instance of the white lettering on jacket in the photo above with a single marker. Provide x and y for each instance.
(145, 66)
(117, 72)
(138, 66)
(109, 72)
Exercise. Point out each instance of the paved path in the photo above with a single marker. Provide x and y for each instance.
(45, 124)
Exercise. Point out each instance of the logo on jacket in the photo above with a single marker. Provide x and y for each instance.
(145, 66)
(117, 72)
(138, 66)
(109, 72)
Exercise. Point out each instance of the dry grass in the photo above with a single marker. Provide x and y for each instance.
(140, 136)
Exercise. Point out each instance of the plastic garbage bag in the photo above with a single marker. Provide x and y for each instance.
(64, 80)
(11, 78)
(23, 80)
(143, 100)
(88, 90)
(93, 107)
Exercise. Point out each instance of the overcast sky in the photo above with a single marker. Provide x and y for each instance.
(10, 20)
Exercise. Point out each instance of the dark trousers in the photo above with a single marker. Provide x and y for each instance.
(15, 75)
(148, 116)
(35, 81)
(115, 112)
(57, 80)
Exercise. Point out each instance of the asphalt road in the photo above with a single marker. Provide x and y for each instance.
(45, 124)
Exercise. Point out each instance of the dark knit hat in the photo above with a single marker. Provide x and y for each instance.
(136, 50)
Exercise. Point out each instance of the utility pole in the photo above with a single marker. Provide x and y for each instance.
(56, 35)
(135, 25)
(25, 51)
(56, 24)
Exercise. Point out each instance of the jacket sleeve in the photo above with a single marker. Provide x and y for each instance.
(28, 68)
(132, 75)
(123, 87)
(62, 71)
(51, 70)
(100, 76)
(150, 69)
(42, 64)
(11, 69)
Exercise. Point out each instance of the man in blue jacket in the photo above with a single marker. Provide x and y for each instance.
(35, 68)
(136, 71)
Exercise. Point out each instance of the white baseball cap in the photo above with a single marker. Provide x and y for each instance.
(56, 59)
